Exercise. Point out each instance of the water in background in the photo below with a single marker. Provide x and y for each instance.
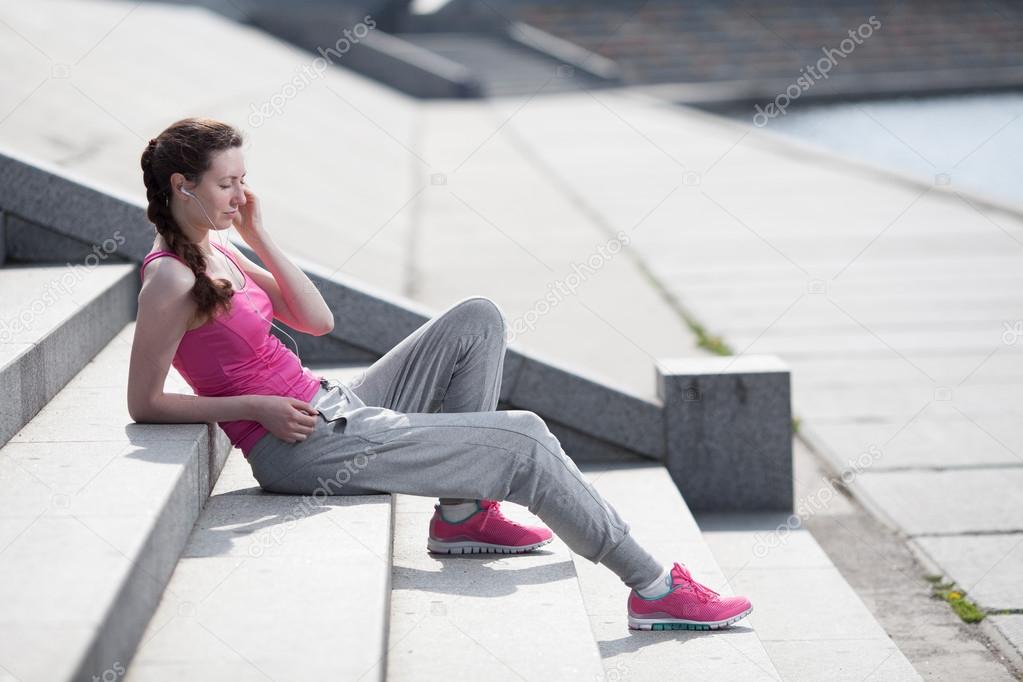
(976, 141)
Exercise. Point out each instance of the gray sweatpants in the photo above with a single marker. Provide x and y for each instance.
(422, 420)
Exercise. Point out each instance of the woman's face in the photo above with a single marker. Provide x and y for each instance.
(220, 191)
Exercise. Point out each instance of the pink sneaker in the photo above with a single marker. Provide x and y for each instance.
(688, 605)
(487, 530)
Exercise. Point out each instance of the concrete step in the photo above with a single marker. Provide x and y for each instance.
(53, 320)
(285, 587)
(498, 617)
(96, 510)
(810, 621)
(452, 604)
(659, 519)
(807, 622)
(281, 587)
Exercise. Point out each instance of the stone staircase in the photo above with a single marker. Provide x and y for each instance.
(147, 551)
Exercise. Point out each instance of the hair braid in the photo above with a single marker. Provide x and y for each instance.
(186, 147)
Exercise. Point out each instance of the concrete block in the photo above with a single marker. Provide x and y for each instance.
(728, 431)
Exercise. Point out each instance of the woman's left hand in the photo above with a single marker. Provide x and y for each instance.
(248, 221)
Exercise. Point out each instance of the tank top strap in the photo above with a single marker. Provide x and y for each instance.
(227, 252)
(154, 255)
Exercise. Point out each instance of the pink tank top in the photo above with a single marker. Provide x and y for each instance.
(234, 353)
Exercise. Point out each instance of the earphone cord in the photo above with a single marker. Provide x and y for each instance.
(254, 308)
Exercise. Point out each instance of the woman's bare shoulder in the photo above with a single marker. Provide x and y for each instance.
(167, 276)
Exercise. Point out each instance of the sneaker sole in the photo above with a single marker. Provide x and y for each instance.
(467, 547)
(682, 624)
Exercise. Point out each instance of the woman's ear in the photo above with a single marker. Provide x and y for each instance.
(177, 181)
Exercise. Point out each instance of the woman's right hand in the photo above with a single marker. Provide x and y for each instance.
(290, 419)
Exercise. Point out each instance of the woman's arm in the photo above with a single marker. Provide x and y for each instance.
(296, 300)
(164, 311)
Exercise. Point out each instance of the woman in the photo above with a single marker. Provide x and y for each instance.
(422, 420)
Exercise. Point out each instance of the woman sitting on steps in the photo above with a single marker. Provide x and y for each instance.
(422, 420)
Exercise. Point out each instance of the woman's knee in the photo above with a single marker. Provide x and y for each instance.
(538, 439)
(481, 309)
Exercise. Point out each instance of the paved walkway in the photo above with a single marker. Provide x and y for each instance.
(890, 301)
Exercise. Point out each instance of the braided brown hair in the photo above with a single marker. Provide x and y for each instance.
(186, 147)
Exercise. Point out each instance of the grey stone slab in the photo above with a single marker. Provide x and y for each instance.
(929, 502)
(916, 345)
(902, 403)
(104, 570)
(448, 605)
(853, 660)
(770, 589)
(73, 316)
(22, 367)
(965, 325)
(40, 298)
(876, 370)
(888, 275)
(93, 414)
(728, 424)
(760, 540)
(31, 242)
(1011, 629)
(218, 449)
(928, 441)
(298, 554)
(69, 207)
(35, 652)
(769, 557)
(847, 291)
(987, 567)
(646, 496)
(575, 400)
(90, 477)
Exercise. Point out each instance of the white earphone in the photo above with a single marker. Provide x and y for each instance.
(243, 290)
